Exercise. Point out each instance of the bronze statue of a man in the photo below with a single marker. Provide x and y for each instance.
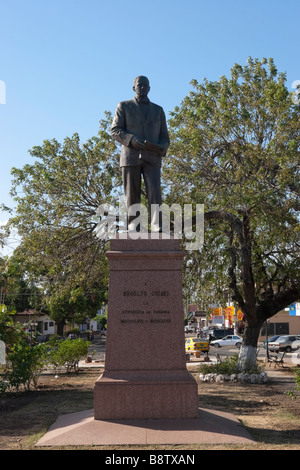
(140, 126)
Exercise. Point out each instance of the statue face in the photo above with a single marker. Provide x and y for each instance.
(141, 87)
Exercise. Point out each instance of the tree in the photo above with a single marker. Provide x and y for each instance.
(102, 319)
(17, 290)
(61, 191)
(74, 304)
(235, 148)
(56, 218)
(8, 331)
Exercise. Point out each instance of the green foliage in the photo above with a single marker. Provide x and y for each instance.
(229, 366)
(25, 363)
(8, 332)
(102, 319)
(63, 188)
(69, 352)
(17, 290)
(297, 378)
(56, 216)
(296, 392)
(235, 149)
(26, 359)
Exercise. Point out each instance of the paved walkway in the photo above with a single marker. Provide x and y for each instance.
(211, 427)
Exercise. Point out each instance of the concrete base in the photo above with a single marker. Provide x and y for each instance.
(81, 429)
(146, 394)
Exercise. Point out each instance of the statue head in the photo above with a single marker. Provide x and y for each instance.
(141, 86)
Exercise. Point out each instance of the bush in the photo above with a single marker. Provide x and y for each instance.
(297, 378)
(26, 362)
(227, 367)
(24, 359)
(69, 353)
(295, 393)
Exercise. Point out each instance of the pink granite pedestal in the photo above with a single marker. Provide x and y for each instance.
(145, 368)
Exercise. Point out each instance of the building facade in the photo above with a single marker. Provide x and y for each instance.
(284, 322)
(36, 322)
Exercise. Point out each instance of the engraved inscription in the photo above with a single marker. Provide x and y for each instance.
(146, 314)
(134, 293)
(162, 293)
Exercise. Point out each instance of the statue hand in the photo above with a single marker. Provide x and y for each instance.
(137, 143)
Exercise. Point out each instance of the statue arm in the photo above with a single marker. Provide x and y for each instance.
(162, 146)
(156, 148)
(117, 129)
(119, 133)
(164, 140)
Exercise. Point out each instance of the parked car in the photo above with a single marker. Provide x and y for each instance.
(270, 340)
(188, 329)
(196, 344)
(218, 333)
(229, 340)
(285, 343)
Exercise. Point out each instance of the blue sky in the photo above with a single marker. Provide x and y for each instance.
(65, 62)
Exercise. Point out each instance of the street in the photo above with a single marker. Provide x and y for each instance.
(225, 351)
(97, 349)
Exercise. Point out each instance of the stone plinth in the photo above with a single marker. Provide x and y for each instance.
(145, 368)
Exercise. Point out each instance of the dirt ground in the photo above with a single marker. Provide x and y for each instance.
(271, 416)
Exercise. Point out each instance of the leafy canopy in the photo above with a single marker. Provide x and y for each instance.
(57, 199)
(235, 148)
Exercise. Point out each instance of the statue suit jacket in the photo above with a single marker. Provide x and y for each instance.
(129, 121)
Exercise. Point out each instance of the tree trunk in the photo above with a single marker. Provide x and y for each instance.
(248, 350)
(60, 328)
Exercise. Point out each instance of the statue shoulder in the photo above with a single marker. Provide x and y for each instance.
(125, 104)
(156, 107)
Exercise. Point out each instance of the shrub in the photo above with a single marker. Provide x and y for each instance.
(69, 353)
(25, 361)
(294, 393)
(297, 378)
(227, 367)
(25, 364)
